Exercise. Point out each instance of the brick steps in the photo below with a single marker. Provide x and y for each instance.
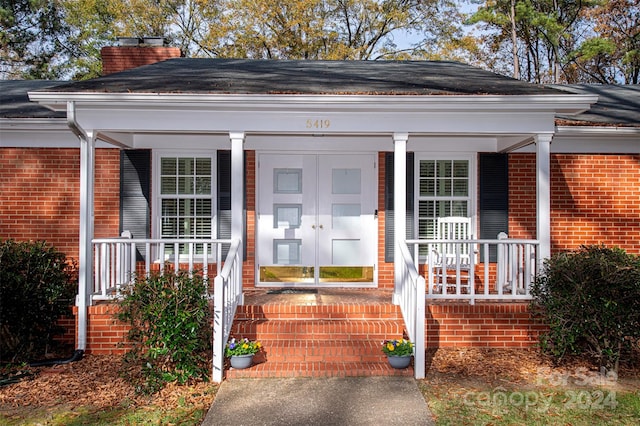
(337, 340)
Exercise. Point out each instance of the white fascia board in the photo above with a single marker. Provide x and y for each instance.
(39, 133)
(302, 120)
(596, 131)
(33, 124)
(593, 140)
(565, 104)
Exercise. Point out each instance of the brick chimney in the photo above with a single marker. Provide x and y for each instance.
(133, 52)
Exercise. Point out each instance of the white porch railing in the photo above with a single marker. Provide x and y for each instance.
(227, 296)
(116, 262)
(411, 296)
(509, 277)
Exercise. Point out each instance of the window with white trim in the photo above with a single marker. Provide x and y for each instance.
(444, 187)
(185, 198)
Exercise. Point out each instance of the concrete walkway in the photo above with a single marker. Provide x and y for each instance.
(319, 401)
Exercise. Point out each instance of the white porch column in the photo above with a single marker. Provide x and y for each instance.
(399, 202)
(85, 279)
(543, 195)
(237, 189)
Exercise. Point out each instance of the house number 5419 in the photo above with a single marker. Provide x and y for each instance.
(318, 124)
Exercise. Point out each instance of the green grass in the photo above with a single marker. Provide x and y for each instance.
(481, 405)
(114, 416)
(126, 414)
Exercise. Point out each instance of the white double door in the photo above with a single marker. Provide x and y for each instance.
(317, 220)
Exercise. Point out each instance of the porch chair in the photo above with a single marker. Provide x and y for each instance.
(454, 261)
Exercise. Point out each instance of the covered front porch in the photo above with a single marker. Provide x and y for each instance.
(370, 123)
(338, 331)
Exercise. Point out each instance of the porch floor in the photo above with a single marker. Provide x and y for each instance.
(321, 296)
(332, 332)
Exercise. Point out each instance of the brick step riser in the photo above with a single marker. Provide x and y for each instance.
(384, 312)
(324, 330)
(274, 351)
(312, 317)
(319, 341)
(318, 369)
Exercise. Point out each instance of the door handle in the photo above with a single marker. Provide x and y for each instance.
(314, 227)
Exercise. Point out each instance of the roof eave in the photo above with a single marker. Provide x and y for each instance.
(565, 104)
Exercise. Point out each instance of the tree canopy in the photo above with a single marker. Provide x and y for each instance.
(534, 40)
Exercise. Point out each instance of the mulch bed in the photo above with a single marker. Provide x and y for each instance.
(95, 380)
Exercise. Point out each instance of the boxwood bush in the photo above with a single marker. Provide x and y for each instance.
(37, 287)
(590, 298)
(170, 330)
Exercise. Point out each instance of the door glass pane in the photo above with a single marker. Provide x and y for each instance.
(345, 181)
(277, 274)
(287, 216)
(346, 274)
(287, 181)
(345, 216)
(345, 252)
(286, 252)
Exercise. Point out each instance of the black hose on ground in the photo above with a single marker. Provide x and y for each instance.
(77, 356)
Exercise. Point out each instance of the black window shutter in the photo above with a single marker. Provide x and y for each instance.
(135, 185)
(224, 200)
(388, 204)
(494, 197)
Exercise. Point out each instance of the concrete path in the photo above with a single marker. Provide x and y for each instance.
(348, 401)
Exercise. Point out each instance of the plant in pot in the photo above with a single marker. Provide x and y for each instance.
(241, 352)
(398, 352)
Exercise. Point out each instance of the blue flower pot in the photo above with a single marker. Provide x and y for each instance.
(399, 361)
(241, 361)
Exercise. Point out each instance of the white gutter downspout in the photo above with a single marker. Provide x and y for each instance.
(87, 165)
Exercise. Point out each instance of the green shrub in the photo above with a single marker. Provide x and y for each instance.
(590, 298)
(37, 287)
(170, 330)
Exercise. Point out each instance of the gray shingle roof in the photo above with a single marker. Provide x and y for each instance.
(617, 105)
(245, 76)
(14, 101)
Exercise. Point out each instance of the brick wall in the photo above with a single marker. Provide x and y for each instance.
(40, 195)
(385, 269)
(105, 334)
(120, 58)
(495, 325)
(248, 273)
(594, 199)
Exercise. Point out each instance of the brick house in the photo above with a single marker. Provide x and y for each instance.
(300, 175)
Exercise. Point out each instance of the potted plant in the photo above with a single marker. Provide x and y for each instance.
(398, 352)
(241, 352)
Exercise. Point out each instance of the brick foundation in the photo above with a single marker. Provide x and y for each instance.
(488, 325)
(485, 324)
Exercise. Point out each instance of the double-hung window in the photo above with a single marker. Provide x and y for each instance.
(185, 199)
(444, 187)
